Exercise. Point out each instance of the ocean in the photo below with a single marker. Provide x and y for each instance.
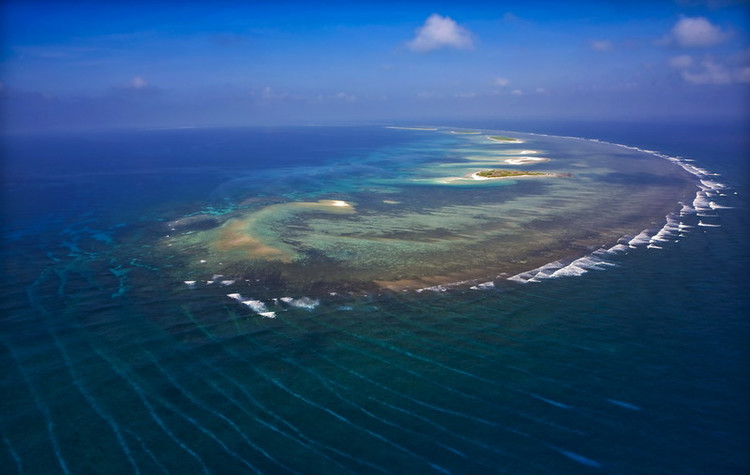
(388, 321)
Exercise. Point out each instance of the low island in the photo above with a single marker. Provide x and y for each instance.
(504, 139)
(506, 173)
(398, 127)
(502, 173)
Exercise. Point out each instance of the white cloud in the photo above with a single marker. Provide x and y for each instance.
(600, 45)
(517, 92)
(465, 95)
(345, 96)
(696, 32)
(711, 70)
(541, 90)
(501, 82)
(137, 83)
(681, 62)
(441, 32)
(267, 93)
(709, 73)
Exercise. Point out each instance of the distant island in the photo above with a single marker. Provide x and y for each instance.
(409, 128)
(465, 132)
(503, 139)
(506, 173)
(501, 173)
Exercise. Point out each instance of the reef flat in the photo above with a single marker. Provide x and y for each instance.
(435, 209)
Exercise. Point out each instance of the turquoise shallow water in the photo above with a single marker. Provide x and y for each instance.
(113, 363)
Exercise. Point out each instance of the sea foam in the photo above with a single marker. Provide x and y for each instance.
(446, 287)
(483, 286)
(568, 267)
(302, 302)
(704, 205)
(255, 305)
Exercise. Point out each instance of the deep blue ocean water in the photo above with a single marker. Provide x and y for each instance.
(112, 365)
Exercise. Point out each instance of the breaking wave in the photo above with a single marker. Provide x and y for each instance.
(704, 205)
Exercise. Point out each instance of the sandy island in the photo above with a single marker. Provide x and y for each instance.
(500, 174)
(503, 139)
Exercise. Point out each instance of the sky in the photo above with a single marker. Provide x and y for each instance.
(149, 64)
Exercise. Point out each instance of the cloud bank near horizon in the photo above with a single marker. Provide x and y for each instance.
(343, 64)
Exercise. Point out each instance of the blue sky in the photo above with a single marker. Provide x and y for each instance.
(91, 64)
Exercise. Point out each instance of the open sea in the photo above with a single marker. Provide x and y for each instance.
(134, 340)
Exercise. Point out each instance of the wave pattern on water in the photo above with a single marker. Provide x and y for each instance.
(706, 201)
(115, 363)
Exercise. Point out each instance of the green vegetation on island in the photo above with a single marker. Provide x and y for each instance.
(502, 173)
(501, 138)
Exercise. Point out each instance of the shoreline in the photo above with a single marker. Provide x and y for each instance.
(410, 128)
(477, 177)
(504, 140)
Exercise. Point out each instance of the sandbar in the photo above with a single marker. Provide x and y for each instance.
(246, 234)
(235, 236)
(409, 128)
(524, 160)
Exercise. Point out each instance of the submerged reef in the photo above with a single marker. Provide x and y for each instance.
(419, 214)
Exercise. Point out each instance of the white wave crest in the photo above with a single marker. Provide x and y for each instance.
(255, 305)
(704, 204)
(641, 239)
(667, 232)
(708, 225)
(303, 302)
(594, 261)
(483, 286)
(446, 287)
